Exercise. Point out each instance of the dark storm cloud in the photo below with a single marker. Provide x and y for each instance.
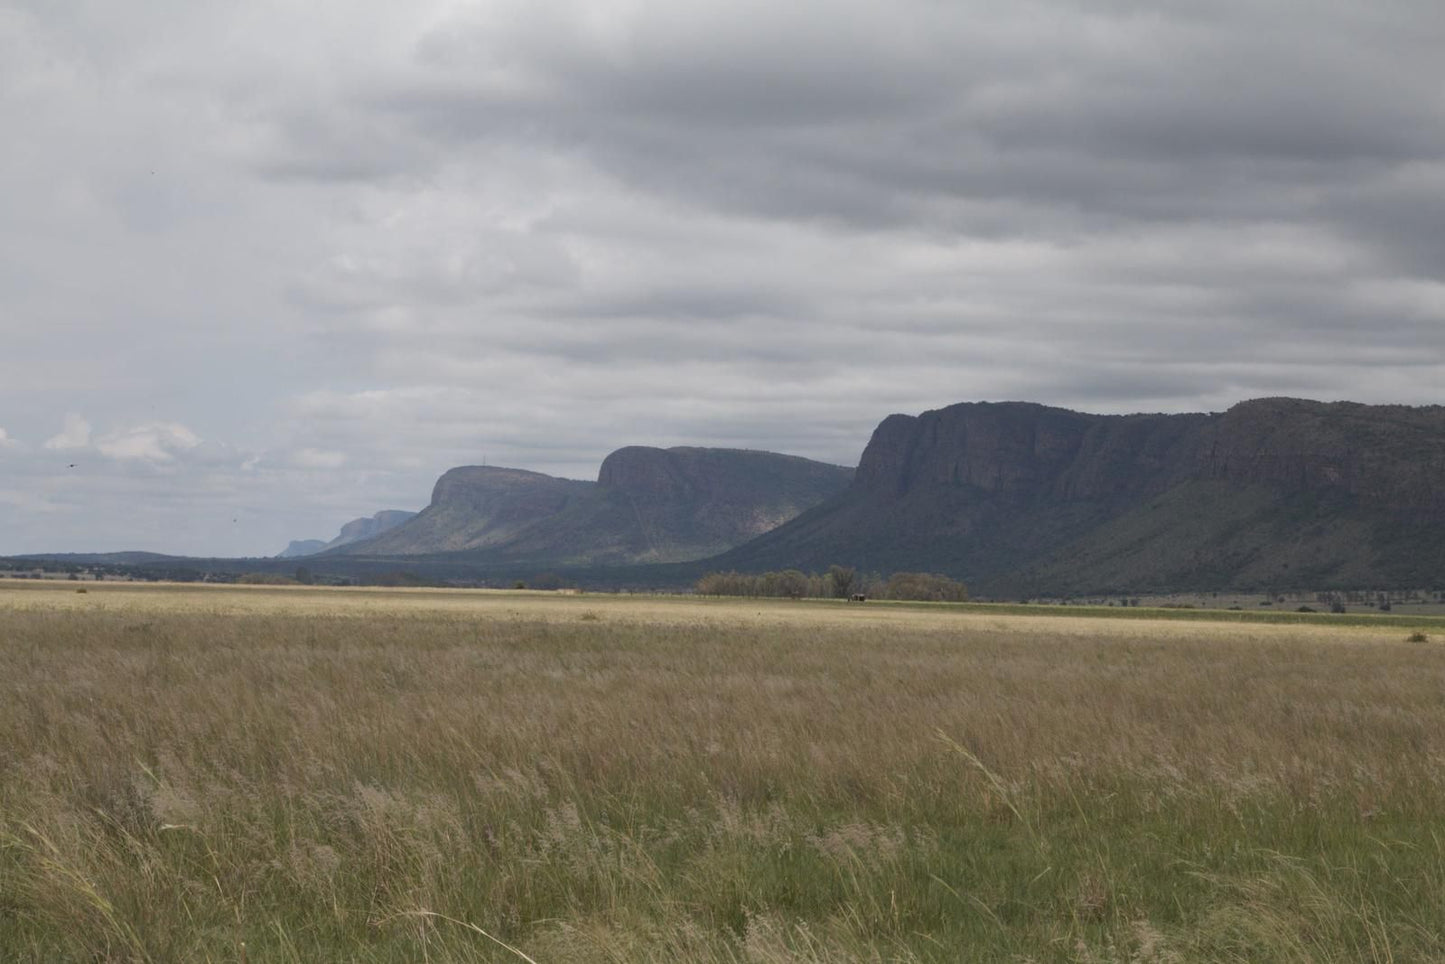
(1126, 115)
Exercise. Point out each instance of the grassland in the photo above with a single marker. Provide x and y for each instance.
(450, 776)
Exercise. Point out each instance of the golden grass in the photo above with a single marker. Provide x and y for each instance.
(361, 602)
(440, 775)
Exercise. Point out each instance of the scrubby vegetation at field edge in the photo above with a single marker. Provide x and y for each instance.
(839, 582)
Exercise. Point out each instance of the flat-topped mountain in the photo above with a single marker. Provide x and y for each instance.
(1023, 498)
(647, 505)
(301, 547)
(353, 531)
(477, 507)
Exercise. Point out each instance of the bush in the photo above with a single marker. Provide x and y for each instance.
(794, 584)
(924, 587)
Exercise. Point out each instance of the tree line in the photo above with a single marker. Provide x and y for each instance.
(839, 582)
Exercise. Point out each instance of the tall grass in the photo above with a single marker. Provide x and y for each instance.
(636, 787)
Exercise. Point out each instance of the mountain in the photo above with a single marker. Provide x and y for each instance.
(366, 527)
(1019, 498)
(647, 505)
(353, 531)
(476, 507)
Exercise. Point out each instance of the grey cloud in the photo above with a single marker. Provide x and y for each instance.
(1116, 114)
(381, 240)
(1399, 213)
(327, 143)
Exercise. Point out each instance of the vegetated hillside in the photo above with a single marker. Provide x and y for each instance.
(353, 531)
(1018, 498)
(647, 505)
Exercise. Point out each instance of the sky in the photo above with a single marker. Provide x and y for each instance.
(269, 266)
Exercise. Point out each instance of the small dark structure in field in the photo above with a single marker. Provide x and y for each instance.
(858, 597)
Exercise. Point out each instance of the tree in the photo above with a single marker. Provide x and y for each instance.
(792, 584)
(842, 579)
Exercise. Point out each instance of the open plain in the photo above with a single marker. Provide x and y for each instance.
(410, 775)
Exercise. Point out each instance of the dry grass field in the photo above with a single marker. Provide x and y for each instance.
(414, 775)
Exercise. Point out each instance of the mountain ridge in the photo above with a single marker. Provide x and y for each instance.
(1017, 497)
(353, 531)
(647, 505)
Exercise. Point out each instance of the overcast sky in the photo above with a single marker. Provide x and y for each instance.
(268, 266)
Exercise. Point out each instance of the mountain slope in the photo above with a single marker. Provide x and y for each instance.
(365, 528)
(647, 505)
(1022, 498)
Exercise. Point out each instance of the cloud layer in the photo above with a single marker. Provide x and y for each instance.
(283, 264)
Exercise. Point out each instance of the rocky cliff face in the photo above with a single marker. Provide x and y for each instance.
(1006, 493)
(1383, 454)
(507, 497)
(1387, 454)
(650, 472)
(1021, 451)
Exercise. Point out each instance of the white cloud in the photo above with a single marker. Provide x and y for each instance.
(75, 434)
(151, 442)
(6, 442)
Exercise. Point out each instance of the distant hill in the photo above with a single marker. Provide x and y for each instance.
(1018, 498)
(648, 505)
(353, 531)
